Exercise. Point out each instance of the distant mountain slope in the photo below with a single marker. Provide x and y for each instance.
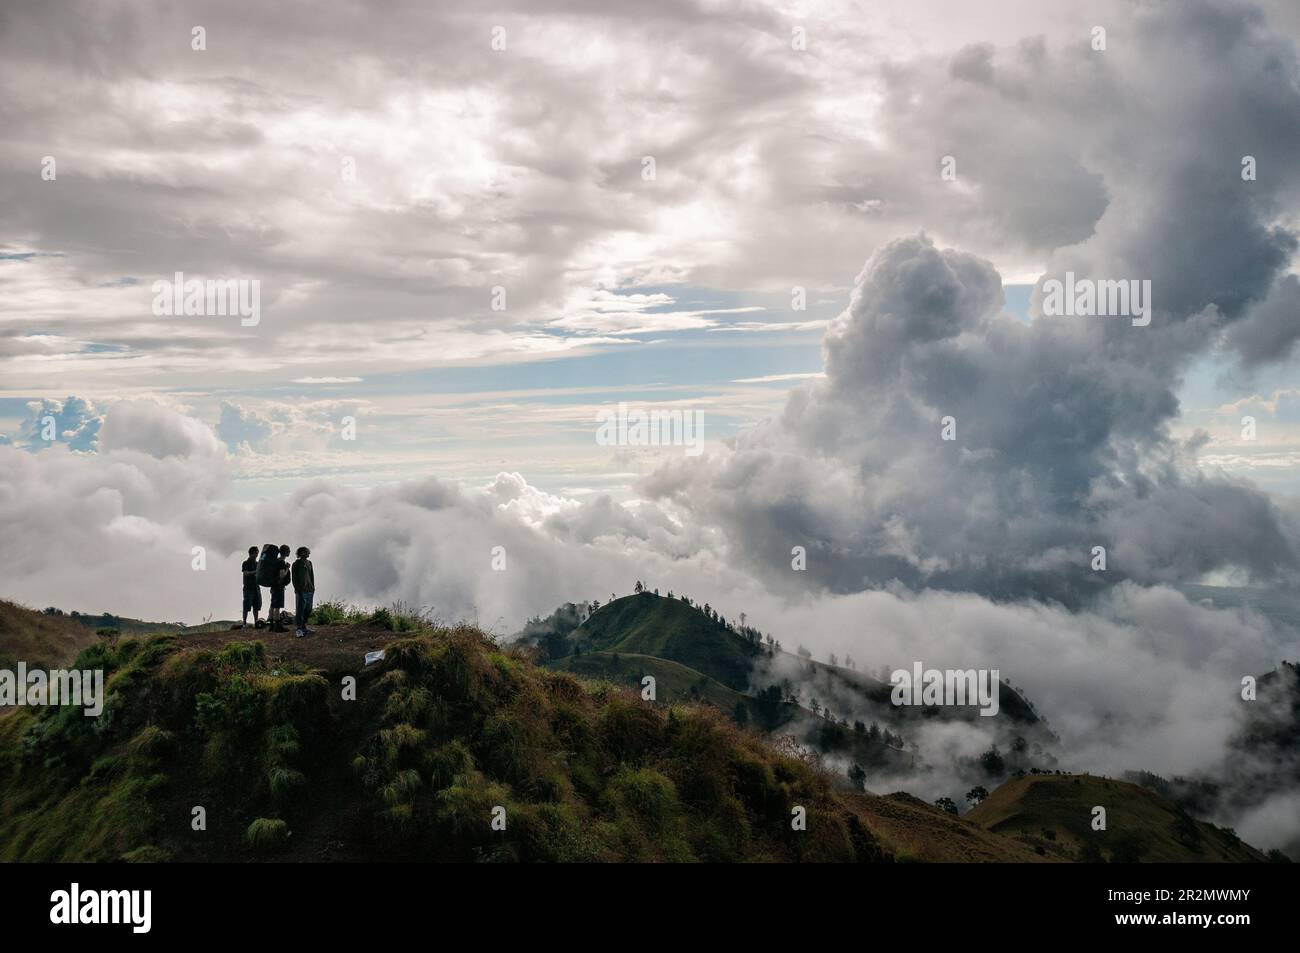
(674, 682)
(835, 681)
(1054, 813)
(1274, 722)
(646, 624)
(921, 832)
(669, 628)
(124, 625)
(39, 639)
(844, 714)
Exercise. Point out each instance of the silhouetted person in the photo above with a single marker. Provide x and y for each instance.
(252, 593)
(304, 590)
(277, 590)
(266, 567)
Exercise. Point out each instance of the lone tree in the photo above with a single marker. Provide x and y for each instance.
(992, 763)
(947, 804)
(977, 794)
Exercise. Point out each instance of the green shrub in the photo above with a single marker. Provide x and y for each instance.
(242, 656)
(446, 763)
(646, 795)
(236, 706)
(629, 730)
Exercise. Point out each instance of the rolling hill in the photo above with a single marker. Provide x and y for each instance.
(123, 625)
(646, 624)
(40, 639)
(1054, 813)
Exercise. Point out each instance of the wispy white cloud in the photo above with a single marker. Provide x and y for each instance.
(774, 378)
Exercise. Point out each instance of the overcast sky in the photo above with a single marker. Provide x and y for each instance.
(473, 168)
(459, 246)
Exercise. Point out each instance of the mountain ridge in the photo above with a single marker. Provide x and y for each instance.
(445, 728)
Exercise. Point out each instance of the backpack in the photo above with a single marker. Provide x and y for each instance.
(268, 565)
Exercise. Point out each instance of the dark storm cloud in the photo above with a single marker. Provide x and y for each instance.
(1269, 332)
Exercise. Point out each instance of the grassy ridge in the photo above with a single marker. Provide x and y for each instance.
(450, 727)
(446, 729)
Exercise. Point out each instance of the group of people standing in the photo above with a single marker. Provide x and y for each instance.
(272, 569)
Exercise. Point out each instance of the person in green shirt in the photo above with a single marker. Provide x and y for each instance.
(304, 590)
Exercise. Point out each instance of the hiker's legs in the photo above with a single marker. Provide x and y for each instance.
(302, 610)
(277, 606)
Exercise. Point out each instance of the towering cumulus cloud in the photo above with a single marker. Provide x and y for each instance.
(1060, 426)
(1058, 445)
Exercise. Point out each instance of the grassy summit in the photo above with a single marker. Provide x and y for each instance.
(646, 624)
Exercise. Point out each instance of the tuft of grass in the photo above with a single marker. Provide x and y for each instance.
(267, 834)
(335, 612)
(398, 617)
(285, 781)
